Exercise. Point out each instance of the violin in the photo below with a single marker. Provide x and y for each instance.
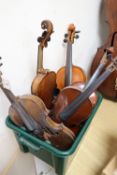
(30, 111)
(109, 87)
(44, 83)
(73, 106)
(70, 74)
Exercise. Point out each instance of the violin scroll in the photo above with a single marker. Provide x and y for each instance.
(47, 26)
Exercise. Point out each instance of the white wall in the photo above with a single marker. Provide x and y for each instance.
(19, 28)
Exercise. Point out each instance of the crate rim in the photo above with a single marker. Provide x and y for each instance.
(49, 147)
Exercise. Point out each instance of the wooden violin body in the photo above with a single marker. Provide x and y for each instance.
(66, 96)
(70, 73)
(78, 75)
(44, 83)
(109, 87)
(50, 130)
(30, 103)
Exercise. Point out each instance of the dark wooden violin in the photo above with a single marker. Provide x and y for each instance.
(73, 106)
(109, 87)
(70, 74)
(44, 83)
(31, 112)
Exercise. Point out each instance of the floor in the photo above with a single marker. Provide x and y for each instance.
(96, 149)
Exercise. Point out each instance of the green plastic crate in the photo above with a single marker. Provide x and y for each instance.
(59, 160)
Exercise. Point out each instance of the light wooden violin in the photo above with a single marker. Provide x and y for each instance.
(44, 83)
(70, 73)
(30, 112)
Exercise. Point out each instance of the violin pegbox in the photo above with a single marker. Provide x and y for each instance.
(71, 34)
(47, 26)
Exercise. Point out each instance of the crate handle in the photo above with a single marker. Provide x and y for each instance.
(29, 144)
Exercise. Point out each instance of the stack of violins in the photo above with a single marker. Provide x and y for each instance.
(60, 102)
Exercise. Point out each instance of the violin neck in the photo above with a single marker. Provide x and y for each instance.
(40, 58)
(68, 69)
(8, 94)
(97, 71)
(75, 104)
(94, 76)
(18, 106)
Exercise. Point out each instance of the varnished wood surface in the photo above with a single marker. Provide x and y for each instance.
(98, 145)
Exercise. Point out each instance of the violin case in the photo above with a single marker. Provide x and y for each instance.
(59, 160)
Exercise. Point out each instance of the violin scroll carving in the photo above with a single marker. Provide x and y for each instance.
(47, 26)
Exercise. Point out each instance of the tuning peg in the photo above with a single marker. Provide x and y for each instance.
(66, 35)
(76, 36)
(65, 40)
(77, 31)
(39, 39)
(44, 33)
